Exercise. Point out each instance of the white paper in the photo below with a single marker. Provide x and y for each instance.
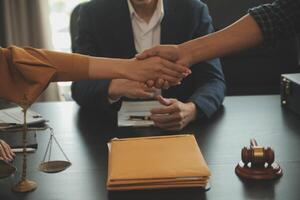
(136, 108)
(15, 116)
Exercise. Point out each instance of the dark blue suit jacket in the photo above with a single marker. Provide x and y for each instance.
(104, 29)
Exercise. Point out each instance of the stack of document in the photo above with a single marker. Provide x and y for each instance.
(12, 119)
(155, 163)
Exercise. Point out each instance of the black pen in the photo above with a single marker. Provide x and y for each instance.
(8, 124)
(139, 117)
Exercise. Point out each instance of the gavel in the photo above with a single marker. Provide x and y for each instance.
(258, 156)
(258, 163)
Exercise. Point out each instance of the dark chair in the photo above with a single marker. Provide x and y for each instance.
(73, 26)
(298, 40)
(255, 71)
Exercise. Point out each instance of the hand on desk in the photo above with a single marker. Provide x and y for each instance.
(132, 89)
(6, 153)
(175, 115)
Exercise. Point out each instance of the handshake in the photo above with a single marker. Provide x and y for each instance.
(160, 67)
(157, 68)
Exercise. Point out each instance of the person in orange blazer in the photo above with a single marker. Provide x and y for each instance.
(28, 71)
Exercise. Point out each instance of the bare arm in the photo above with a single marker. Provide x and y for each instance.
(152, 68)
(242, 34)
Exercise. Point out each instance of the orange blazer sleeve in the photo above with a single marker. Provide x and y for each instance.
(26, 72)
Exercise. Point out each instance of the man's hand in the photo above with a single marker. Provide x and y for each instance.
(175, 115)
(6, 153)
(154, 68)
(132, 89)
(172, 53)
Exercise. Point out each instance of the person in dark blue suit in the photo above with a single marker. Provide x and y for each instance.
(121, 29)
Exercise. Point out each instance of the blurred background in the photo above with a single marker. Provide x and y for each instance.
(41, 24)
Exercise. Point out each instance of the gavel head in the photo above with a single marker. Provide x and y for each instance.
(257, 155)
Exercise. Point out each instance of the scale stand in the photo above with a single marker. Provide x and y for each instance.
(24, 185)
(53, 166)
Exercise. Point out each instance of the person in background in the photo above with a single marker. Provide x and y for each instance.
(265, 24)
(135, 26)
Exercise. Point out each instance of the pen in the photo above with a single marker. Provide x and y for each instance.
(8, 124)
(21, 150)
(139, 117)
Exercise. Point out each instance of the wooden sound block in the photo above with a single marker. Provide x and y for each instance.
(272, 171)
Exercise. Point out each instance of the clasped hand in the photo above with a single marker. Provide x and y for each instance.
(173, 115)
(172, 53)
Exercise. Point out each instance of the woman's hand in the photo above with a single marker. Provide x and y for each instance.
(6, 153)
(174, 53)
(154, 68)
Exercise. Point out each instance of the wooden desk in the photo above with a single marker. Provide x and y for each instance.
(84, 137)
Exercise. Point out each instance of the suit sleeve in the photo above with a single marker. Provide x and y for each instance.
(207, 76)
(90, 93)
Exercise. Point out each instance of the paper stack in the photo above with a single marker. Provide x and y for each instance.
(12, 119)
(156, 162)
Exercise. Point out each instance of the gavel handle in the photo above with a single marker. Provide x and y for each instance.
(253, 143)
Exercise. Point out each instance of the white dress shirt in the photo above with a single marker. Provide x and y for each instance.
(146, 35)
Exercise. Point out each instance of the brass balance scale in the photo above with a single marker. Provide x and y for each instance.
(47, 165)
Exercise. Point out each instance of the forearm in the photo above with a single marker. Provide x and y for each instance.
(242, 34)
(70, 67)
(29, 70)
(110, 68)
(81, 67)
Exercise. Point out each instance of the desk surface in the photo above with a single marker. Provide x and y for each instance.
(83, 137)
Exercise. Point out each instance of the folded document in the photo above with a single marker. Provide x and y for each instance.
(156, 162)
(13, 119)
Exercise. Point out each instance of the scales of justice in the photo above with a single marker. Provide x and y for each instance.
(47, 165)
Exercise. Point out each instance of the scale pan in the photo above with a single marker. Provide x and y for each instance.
(54, 166)
(6, 169)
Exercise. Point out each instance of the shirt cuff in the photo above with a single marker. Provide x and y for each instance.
(199, 112)
(112, 101)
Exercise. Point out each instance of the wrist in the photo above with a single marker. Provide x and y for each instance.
(185, 54)
(192, 110)
(127, 65)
